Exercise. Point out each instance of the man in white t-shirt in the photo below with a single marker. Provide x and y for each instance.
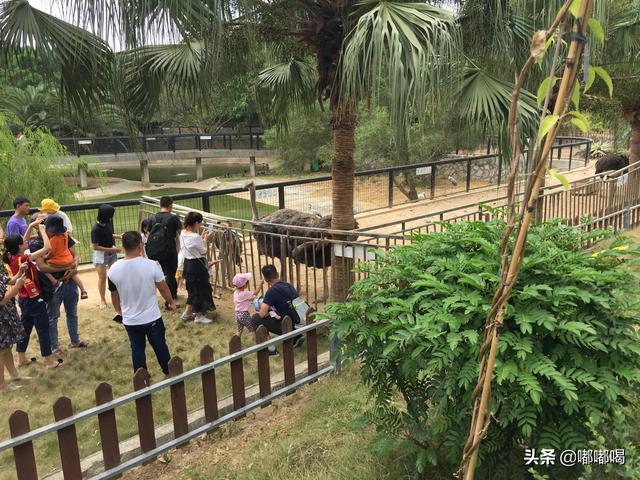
(133, 282)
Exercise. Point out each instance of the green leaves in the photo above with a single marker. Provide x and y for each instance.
(544, 87)
(568, 346)
(546, 125)
(606, 78)
(554, 173)
(596, 28)
(575, 8)
(603, 74)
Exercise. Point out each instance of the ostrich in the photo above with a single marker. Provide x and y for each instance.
(313, 253)
(611, 162)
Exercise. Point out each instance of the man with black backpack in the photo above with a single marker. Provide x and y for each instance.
(277, 303)
(162, 242)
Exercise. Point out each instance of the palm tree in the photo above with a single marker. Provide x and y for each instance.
(621, 58)
(354, 47)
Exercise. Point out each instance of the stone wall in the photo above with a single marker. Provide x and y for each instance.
(486, 169)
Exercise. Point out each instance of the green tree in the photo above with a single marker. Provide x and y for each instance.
(621, 58)
(353, 45)
(566, 365)
(303, 143)
(27, 165)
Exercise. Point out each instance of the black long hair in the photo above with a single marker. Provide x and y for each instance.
(11, 246)
(106, 213)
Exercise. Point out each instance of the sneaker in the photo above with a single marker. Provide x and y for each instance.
(272, 351)
(203, 320)
(299, 342)
(187, 317)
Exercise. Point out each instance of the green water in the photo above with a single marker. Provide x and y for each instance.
(181, 173)
(158, 192)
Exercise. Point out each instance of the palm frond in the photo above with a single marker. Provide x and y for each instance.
(408, 46)
(283, 87)
(143, 22)
(83, 59)
(484, 101)
(145, 71)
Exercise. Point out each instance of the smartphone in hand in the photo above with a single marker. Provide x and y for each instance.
(117, 318)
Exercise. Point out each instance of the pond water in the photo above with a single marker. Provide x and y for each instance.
(182, 173)
(157, 192)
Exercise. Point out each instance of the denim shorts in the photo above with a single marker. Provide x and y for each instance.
(104, 258)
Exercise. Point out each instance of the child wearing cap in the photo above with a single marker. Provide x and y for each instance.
(242, 297)
(61, 256)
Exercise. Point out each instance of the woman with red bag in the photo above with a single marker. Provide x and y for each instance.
(33, 307)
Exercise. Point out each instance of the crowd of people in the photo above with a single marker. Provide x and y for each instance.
(40, 274)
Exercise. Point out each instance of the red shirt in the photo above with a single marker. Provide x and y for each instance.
(14, 266)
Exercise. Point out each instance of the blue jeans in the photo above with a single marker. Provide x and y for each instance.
(154, 332)
(67, 294)
(33, 313)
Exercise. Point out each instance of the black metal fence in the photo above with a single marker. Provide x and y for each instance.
(374, 189)
(163, 143)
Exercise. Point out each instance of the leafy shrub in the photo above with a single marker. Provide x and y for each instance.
(567, 360)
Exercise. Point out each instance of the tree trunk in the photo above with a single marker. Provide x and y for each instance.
(343, 122)
(635, 138)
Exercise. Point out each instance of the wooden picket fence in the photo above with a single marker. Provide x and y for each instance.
(105, 410)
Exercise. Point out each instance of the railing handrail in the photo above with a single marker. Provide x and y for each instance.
(609, 177)
(285, 183)
(162, 384)
(161, 135)
(212, 217)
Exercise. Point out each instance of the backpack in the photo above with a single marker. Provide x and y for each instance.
(158, 242)
(298, 307)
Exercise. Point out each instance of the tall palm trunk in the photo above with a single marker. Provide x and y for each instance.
(343, 122)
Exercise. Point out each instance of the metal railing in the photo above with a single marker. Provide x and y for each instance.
(105, 410)
(590, 196)
(304, 256)
(162, 143)
(374, 189)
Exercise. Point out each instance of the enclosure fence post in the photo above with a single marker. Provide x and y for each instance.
(264, 373)
(23, 455)
(144, 413)
(237, 375)
(67, 440)
(209, 392)
(108, 428)
(178, 400)
(288, 359)
(390, 188)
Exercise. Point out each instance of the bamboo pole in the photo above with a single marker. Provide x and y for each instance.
(511, 264)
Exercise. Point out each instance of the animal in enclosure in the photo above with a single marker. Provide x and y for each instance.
(276, 237)
(279, 232)
(228, 241)
(611, 162)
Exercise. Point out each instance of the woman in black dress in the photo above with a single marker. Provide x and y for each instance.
(196, 270)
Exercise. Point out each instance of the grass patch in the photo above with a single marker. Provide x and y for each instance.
(156, 193)
(108, 359)
(313, 434)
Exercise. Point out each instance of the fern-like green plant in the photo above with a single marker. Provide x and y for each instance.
(569, 350)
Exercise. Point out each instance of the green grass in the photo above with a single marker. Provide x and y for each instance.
(314, 434)
(157, 193)
(108, 359)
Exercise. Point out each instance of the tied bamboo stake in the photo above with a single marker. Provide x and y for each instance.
(510, 266)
